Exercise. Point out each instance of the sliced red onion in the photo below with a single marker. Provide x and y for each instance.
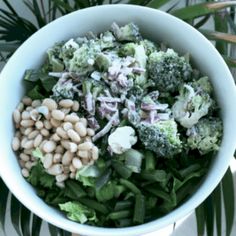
(108, 99)
(106, 128)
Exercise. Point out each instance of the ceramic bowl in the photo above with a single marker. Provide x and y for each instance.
(155, 25)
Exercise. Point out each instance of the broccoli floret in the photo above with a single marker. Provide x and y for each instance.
(103, 62)
(168, 70)
(149, 46)
(67, 51)
(84, 58)
(192, 103)
(55, 62)
(129, 32)
(205, 135)
(161, 137)
(107, 40)
(91, 89)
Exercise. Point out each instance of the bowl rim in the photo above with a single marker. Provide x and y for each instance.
(186, 207)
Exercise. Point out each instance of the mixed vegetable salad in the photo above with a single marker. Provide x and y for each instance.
(116, 130)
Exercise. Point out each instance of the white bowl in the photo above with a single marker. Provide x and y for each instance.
(155, 25)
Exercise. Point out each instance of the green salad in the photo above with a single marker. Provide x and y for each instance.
(116, 130)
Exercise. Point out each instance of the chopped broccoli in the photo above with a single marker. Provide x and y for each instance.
(107, 40)
(84, 58)
(161, 137)
(168, 70)
(55, 62)
(91, 89)
(67, 52)
(193, 103)
(205, 135)
(102, 61)
(149, 46)
(129, 32)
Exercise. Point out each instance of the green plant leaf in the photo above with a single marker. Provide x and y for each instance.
(53, 230)
(157, 3)
(221, 25)
(4, 192)
(200, 218)
(36, 226)
(209, 215)
(216, 197)
(25, 220)
(15, 214)
(202, 9)
(228, 196)
(231, 62)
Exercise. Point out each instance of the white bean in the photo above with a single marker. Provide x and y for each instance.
(72, 168)
(83, 154)
(47, 160)
(57, 158)
(55, 138)
(29, 144)
(55, 169)
(85, 146)
(95, 153)
(27, 101)
(62, 133)
(16, 116)
(66, 103)
(38, 140)
(84, 121)
(25, 172)
(80, 129)
(73, 118)
(75, 106)
(72, 175)
(28, 151)
(28, 165)
(62, 177)
(49, 146)
(28, 131)
(27, 123)
(39, 124)
(15, 144)
(77, 163)
(36, 103)
(44, 132)
(55, 123)
(67, 158)
(25, 115)
(73, 136)
(23, 141)
(58, 115)
(50, 103)
(20, 107)
(67, 126)
(59, 149)
(90, 132)
(47, 124)
(24, 157)
(85, 161)
(33, 134)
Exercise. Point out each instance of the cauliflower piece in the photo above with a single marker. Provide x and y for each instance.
(193, 103)
(122, 139)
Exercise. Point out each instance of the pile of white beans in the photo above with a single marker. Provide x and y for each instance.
(58, 132)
